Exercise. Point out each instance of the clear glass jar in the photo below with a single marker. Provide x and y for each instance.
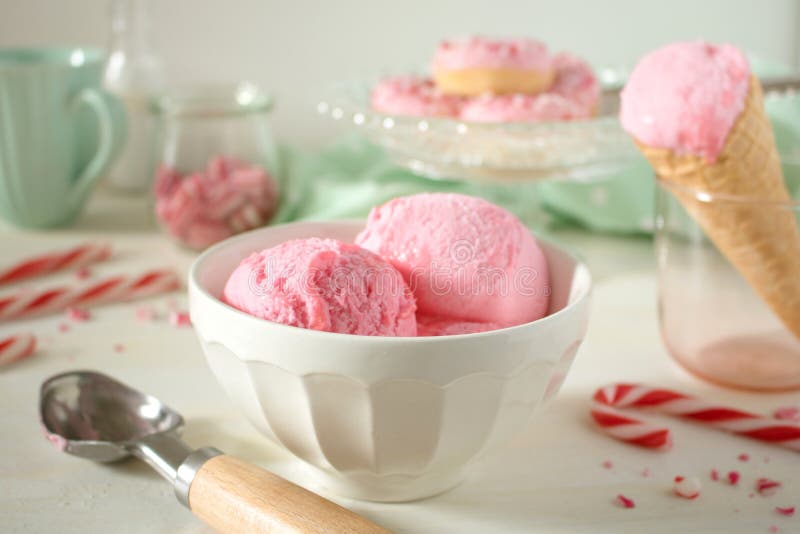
(713, 322)
(215, 167)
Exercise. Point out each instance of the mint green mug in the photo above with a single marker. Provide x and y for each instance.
(59, 132)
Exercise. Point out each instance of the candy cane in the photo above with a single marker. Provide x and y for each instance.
(121, 288)
(55, 261)
(17, 347)
(630, 430)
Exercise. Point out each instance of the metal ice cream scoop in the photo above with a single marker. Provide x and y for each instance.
(93, 416)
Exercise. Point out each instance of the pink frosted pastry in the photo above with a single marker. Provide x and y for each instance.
(573, 95)
(475, 65)
(576, 81)
(521, 108)
(464, 258)
(418, 97)
(225, 198)
(324, 284)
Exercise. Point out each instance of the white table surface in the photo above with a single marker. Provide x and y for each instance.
(550, 478)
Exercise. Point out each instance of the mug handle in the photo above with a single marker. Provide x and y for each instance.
(108, 139)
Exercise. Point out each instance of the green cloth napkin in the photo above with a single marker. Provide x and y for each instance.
(348, 178)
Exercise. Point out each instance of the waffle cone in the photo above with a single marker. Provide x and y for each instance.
(759, 238)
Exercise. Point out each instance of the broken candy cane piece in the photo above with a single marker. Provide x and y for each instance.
(688, 488)
(765, 486)
(179, 319)
(624, 501)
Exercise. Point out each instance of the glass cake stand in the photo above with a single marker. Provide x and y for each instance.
(583, 151)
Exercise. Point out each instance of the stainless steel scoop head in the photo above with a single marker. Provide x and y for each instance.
(91, 415)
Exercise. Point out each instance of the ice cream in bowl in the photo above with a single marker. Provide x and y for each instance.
(390, 354)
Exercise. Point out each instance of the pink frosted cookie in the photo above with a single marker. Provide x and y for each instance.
(475, 65)
(409, 95)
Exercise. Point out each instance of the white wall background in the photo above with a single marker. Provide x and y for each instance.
(296, 47)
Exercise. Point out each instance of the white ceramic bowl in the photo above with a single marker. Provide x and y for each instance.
(383, 418)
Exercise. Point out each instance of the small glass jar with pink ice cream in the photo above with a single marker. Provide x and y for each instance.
(215, 162)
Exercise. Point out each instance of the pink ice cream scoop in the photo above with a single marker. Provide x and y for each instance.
(324, 284)
(685, 97)
(443, 326)
(464, 258)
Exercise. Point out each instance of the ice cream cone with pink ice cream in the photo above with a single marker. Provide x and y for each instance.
(696, 112)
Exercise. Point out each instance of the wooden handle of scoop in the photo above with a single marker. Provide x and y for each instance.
(231, 495)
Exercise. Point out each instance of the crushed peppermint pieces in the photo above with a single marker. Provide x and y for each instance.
(145, 314)
(119, 347)
(78, 315)
(646, 472)
(787, 413)
(687, 488)
(608, 464)
(63, 327)
(743, 457)
(714, 475)
(766, 487)
(180, 319)
(624, 501)
(788, 511)
(733, 477)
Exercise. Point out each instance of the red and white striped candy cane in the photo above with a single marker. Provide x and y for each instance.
(120, 288)
(608, 399)
(15, 348)
(79, 256)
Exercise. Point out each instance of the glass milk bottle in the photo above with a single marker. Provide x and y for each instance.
(135, 74)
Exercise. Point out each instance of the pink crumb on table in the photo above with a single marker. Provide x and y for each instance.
(82, 273)
(63, 327)
(58, 442)
(687, 488)
(624, 502)
(119, 347)
(145, 314)
(78, 315)
(179, 319)
(743, 457)
(788, 511)
(608, 464)
(766, 487)
(733, 477)
(646, 472)
(714, 475)
(774, 529)
(787, 413)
